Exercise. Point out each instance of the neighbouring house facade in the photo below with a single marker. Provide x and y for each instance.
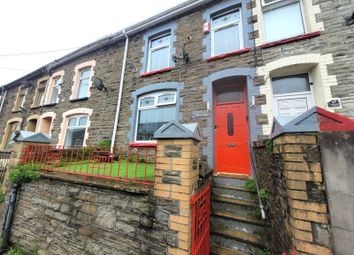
(230, 66)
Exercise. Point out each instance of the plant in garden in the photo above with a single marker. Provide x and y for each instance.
(25, 173)
(251, 186)
(104, 143)
(15, 251)
(2, 196)
(264, 252)
(269, 146)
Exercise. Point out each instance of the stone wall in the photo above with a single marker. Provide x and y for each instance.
(308, 210)
(270, 175)
(59, 217)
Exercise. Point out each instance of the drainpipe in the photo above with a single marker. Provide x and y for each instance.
(116, 120)
(2, 102)
(8, 218)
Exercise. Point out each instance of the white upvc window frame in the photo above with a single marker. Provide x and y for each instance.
(156, 105)
(227, 25)
(308, 94)
(151, 49)
(88, 78)
(56, 79)
(78, 117)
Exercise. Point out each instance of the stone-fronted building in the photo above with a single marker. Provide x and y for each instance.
(231, 66)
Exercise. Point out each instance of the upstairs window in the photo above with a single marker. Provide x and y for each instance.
(282, 19)
(85, 75)
(82, 80)
(20, 99)
(226, 32)
(75, 133)
(154, 110)
(159, 52)
(55, 90)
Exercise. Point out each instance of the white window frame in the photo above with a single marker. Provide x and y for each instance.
(70, 128)
(151, 50)
(58, 86)
(81, 79)
(22, 103)
(286, 4)
(308, 94)
(230, 24)
(156, 105)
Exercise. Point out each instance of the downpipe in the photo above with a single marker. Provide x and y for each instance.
(256, 180)
(6, 230)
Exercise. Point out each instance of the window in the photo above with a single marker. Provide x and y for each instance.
(84, 83)
(55, 90)
(282, 19)
(2, 98)
(21, 99)
(292, 95)
(154, 110)
(75, 132)
(226, 32)
(159, 52)
(12, 128)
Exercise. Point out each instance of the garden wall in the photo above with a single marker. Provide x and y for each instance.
(59, 217)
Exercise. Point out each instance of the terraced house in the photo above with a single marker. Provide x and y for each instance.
(229, 65)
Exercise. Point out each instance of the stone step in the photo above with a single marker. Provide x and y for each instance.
(231, 200)
(237, 217)
(233, 245)
(238, 188)
(234, 208)
(220, 250)
(240, 236)
(224, 180)
(238, 193)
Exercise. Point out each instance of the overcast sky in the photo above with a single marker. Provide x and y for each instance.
(32, 26)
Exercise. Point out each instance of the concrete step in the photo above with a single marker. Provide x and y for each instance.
(224, 180)
(227, 223)
(235, 192)
(233, 245)
(242, 236)
(236, 201)
(234, 208)
(238, 188)
(220, 250)
(237, 217)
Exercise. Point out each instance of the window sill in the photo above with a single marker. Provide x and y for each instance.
(291, 39)
(16, 111)
(163, 70)
(232, 53)
(143, 144)
(48, 105)
(78, 99)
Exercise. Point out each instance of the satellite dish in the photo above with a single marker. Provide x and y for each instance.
(98, 83)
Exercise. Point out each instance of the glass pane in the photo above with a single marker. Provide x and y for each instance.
(229, 94)
(83, 88)
(82, 122)
(165, 40)
(54, 97)
(283, 22)
(147, 101)
(226, 40)
(72, 122)
(85, 73)
(167, 98)
(74, 137)
(230, 124)
(152, 119)
(225, 19)
(159, 59)
(291, 84)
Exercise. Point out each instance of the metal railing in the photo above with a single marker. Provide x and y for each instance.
(128, 163)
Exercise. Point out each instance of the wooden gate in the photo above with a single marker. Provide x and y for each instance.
(200, 204)
(4, 162)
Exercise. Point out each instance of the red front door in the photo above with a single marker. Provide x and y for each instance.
(231, 131)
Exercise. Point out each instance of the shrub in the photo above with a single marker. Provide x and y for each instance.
(14, 251)
(2, 196)
(251, 186)
(25, 173)
(104, 143)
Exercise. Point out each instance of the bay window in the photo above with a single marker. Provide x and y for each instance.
(153, 111)
(282, 19)
(75, 132)
(226, 32)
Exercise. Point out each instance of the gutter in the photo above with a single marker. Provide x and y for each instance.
(121, 84)
(109, 40)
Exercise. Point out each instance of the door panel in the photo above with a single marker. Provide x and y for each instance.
(231, 138)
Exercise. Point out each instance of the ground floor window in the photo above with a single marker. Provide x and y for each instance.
(75, 132)
(154, 110)
(292, 96)
(12, 128)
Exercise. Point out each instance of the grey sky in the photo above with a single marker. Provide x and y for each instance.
(42, 25)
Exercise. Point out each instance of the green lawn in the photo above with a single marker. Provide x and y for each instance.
(123, 169)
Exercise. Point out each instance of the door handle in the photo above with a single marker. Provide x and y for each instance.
(231, 145)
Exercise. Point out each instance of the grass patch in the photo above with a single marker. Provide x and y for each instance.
(122, 169)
